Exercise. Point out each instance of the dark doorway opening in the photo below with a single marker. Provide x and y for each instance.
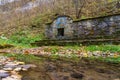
(61, 32)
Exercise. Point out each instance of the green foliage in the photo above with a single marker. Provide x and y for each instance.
(25, 39)
(22, 39)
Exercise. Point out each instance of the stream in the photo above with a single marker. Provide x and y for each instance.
(84, 69)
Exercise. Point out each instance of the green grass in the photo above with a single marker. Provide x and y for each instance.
(32, 58)
(23, 57)
(112, 60)
(104, 48)
(24, 42)
(115, 60)
(21, 39)
(110, 48)
(17, 45)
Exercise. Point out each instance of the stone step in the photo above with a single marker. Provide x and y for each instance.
(75, 42)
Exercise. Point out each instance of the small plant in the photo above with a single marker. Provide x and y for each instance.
(54, 50)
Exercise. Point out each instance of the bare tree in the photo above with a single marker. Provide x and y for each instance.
(78, 4)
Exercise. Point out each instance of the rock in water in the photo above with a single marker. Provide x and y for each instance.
(77, 75)
(13, 77)
(10, 65)
(18, 69)
(20, 63)
(28, 66)
(3, 74)
(8, 69)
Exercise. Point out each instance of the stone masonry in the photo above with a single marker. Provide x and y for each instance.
(64, 27)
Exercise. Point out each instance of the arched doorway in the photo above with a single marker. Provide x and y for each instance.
(60, 32)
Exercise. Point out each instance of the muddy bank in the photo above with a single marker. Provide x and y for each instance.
(49, 69)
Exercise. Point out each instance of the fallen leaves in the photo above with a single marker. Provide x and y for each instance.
(62, 51)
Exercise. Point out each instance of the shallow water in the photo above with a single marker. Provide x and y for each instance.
(49, 69)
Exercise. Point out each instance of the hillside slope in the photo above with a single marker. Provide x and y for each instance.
(31, 15)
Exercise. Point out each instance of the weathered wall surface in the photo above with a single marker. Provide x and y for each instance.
(61, 22)
(102, 27)
(99, 27)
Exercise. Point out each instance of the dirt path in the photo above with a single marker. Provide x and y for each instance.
(67, 70)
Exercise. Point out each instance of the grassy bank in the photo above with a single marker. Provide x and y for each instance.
(21, 57)
(21, 39)
(24, 42)
(109, 48)
(31, 58)
(104, 47)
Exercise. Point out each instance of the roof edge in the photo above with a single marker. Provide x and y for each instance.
(95, 17)
(50, 22)
(78, 20)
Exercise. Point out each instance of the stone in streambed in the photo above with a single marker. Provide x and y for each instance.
(20, 63)
(10, 65)
(13, 77)
(28, 66)
(3, 74)
(77, 75)
(18, 69)
(8, 69)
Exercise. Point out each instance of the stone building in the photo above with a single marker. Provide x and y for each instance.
(64, 27)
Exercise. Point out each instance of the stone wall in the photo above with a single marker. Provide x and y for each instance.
(61, 22)
(101, 27)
